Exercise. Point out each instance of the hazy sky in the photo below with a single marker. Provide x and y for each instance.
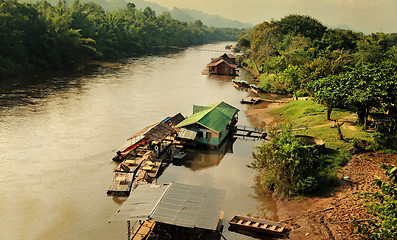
(362, 15)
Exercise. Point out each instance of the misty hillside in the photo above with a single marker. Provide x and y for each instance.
(189, 15)
(185, 15)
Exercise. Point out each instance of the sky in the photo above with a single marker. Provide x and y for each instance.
(366, 16)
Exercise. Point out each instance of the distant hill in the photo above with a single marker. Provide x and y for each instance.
(209, 20)
(344, 27)
(189, 15)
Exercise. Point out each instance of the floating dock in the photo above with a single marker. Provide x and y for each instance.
(249, 132)
(251, 100)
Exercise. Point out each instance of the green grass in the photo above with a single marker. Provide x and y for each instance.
(338, 152)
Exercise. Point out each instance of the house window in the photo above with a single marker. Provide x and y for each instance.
(208, 136)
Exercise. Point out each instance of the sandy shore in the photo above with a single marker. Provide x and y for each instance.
(261, 115)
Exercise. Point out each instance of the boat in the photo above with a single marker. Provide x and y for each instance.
(244, 84)
(179, 158)
(256, 89)
(129, 146)
(236, 83)
(153, 168)
(251, 100)
(240, 83)
(257, 225)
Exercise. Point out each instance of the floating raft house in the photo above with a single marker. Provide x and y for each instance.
(209, 125)
(186, 206)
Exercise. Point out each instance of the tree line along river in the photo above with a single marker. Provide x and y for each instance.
(58, 135)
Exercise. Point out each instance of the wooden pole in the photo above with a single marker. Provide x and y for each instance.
(129, 230)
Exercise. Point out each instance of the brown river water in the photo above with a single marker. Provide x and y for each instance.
(58, 135)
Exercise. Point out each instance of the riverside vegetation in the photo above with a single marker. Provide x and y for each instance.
(346, 74)
(37, 36)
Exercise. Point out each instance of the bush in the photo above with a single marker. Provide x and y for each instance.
(383, 208)
(286, 164)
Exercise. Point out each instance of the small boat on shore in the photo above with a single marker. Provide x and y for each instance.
(251, 100)
(240, 83)
(256, 89)
(258, 225)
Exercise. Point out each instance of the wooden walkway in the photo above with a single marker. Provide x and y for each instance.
(249, 132)
(142, 230)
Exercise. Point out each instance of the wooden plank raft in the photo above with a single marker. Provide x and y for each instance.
(121, 183)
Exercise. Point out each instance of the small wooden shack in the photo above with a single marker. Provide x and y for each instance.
(209, 125)
(223, 65)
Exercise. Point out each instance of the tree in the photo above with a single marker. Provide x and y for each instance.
(304, 25)
(364, 84)
(329, 91)
(292, 79)
(264, 38)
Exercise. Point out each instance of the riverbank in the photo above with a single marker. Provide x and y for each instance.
(329, 215)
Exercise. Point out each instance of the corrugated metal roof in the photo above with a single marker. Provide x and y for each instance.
(140, 203)
(178, 204)
(215, 116)
(159, 132)
(187, 134)
(190, 206)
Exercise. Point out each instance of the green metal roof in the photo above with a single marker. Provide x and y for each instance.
(215, 116)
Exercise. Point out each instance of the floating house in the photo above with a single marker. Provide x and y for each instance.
(209, 125)
(223, 65)
(173, 211)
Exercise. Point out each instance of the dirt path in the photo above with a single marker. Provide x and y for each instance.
(329, 217)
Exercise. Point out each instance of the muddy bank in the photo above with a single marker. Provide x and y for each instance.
(329, 217)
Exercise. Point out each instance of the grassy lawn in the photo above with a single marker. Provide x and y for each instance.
(313, 115)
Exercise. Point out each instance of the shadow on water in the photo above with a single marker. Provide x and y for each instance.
(198, 159)
(30, 89)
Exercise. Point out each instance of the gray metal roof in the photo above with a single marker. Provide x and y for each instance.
(185, 133)
(176, 204)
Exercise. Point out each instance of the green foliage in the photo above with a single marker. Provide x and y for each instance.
(42, 36)
(329, 92)
(383, 208)
(292, 79)
(287, 165)
(384, 141)
(303, 25)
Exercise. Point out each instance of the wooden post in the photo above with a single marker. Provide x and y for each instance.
(129, 230)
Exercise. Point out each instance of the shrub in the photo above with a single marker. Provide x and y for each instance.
(384, 209)
(286, 164)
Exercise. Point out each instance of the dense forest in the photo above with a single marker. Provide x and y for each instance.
(37, 36)
(299, 55)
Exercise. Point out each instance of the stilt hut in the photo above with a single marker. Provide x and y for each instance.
(223, 65)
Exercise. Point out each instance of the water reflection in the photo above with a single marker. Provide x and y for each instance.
(202, 159)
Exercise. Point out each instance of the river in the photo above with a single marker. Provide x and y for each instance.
(58, 136)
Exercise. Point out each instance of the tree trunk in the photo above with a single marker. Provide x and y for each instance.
(329, 110)
(366, 116)
(340, 136)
